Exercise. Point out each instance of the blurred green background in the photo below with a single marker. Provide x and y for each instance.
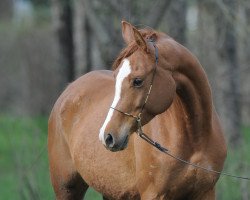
(45, 44)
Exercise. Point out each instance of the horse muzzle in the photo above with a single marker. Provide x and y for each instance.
(114, 144)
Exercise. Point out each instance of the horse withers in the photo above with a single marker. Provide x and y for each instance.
(92, 140)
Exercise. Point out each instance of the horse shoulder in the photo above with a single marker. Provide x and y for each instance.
(77, 95)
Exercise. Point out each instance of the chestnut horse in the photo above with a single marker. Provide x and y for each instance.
(91, 139)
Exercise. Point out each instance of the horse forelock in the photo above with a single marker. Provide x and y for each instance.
(132, 47)
(126, 52)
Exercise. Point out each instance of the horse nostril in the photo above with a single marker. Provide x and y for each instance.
(109, 140)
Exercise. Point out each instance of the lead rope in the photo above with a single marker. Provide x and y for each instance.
(167, 152)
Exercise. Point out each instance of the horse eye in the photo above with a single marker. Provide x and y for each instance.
(137, 82)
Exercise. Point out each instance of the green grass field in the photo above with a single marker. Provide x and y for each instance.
(24, 165)
(24, 162)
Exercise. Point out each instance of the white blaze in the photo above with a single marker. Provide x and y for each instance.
(124, 71)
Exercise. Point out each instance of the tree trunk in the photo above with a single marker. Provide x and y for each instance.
(227, 50)
(204, 44)
(176, 20)
(63, 25)
(104, 25)
(6, 9)
(157, 12)
(82, 41)
(245, 70)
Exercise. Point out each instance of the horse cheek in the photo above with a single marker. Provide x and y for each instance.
(163, 94)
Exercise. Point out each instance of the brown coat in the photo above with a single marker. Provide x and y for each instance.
(179, 114)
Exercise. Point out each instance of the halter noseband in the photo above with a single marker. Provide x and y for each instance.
(138, 117)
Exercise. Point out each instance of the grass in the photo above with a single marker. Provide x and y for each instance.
(23, 160)
(237, 163)
(24, 164)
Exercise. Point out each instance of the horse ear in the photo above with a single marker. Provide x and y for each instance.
(140, 40)
(131, 34)
(127, 32)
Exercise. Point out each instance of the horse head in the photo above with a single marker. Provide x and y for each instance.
(136, 70)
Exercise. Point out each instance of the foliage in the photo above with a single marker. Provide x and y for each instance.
(24, 164)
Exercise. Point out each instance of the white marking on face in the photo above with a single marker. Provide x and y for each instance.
(124, 71)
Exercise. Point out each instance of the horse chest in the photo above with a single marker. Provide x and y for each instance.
(169, 179)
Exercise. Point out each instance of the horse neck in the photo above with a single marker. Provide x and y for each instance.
(193, 92)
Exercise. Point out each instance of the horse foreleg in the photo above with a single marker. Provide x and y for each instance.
(66, 181)
(74, 188)
(209, 195)
(67, 184)
(149, 192)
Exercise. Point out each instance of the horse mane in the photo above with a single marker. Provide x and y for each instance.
(132, 47)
